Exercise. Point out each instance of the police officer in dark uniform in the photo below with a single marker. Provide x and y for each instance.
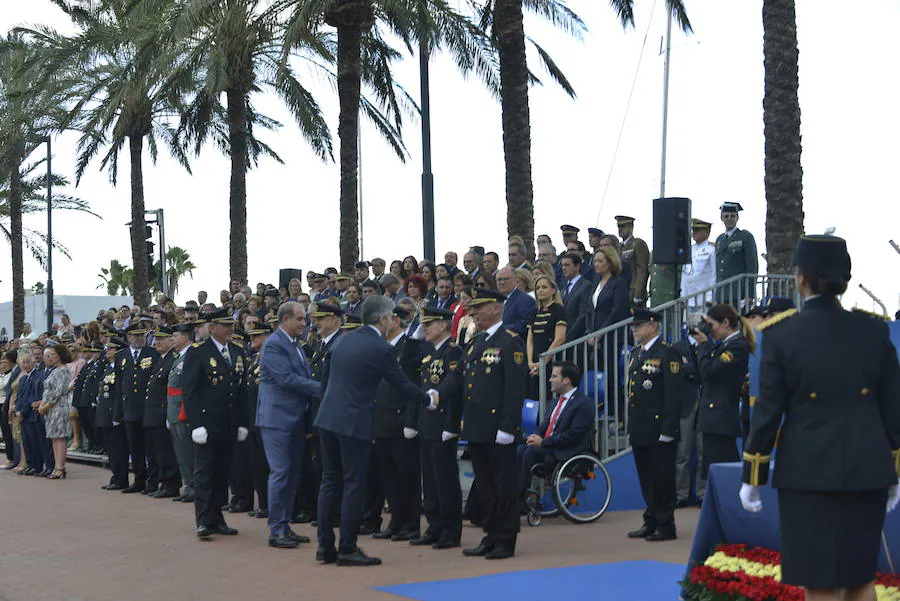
(396, 450)
(326, 320)
(655, 393)
(494, 389)
(215, 401)
(241, 478)
(259, 465)
(830, 383)
(84, 396)
(441, 370)
(155, 419)
(112, 431)
(134, 365)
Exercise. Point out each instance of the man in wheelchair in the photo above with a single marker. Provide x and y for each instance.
(565, 431)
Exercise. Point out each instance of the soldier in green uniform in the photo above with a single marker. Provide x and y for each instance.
(655, 390)
(182, 337)
(494, 389)
(735, 255)
(636, 253)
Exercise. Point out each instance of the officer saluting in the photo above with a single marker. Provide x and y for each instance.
(656, 386)
(215, 403)
(493, 389)
(441, 370)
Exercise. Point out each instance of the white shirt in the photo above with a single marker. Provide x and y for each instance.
(561, 404)
(730, 336)
(596, 294)
(223, 349)
(646, 346)
(184, 350)
(370, 325)
(330, 336)
(493, 329)
(396, 339)
(571, 283)
(700, 273)
(438, 346)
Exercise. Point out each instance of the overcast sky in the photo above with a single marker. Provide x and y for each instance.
(850, 127)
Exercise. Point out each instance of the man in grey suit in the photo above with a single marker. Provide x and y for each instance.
(285, 391)
(573, 288)
(359, 361)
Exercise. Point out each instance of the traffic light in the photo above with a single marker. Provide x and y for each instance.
(148, 234)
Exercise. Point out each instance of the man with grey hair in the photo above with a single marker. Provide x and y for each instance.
(391, 286)
(360, 360)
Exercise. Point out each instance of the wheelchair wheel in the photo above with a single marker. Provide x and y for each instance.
(539, 498)
(534, 518)
(582, 488)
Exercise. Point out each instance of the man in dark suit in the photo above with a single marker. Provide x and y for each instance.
(574, 288)
(155, 408)
(565, 431)
(655, 393)
(360, 360)
(133, 368)
(111, 431)
(443, 299)
(519, 308)
(284, 392)
(215, 403)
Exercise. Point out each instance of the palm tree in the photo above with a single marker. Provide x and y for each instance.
(233, 48)
(116, 277)
(119, 96)
(503, 20)
(781, 126)
(363, 56)
(179, 264)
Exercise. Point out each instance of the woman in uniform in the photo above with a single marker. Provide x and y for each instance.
(723, 356)
(830, 382)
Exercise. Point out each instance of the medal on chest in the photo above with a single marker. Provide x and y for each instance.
(489, 358)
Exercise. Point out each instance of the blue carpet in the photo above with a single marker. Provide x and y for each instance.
(628, 580)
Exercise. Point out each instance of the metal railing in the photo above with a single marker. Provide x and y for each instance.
(603, 355)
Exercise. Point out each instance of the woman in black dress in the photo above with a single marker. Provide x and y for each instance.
(830, 383)
(723, 358)
(546, 331)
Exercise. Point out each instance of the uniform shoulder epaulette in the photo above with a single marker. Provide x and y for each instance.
(511, 333)
(871, 314)
(197, 345)
(777, 319)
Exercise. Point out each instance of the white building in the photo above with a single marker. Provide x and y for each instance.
(80, 309)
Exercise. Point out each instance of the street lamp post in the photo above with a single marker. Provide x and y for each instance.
(427, 176)
(49, 239)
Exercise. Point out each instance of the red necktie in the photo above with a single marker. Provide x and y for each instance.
(554, 416)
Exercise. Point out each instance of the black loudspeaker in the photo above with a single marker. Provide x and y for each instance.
(286, 275)
(671, 231)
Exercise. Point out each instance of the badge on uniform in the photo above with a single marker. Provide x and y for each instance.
(212, 362)
(650, 366)
(426, 359)
(436, 370)
(239, 364)
(519, 358)
(454, 365)
(124, 361)
(146, 362)
(726, 357)
(648, 384)
(674, 367)
(491, 356)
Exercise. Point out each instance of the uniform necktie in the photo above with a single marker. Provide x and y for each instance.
(136, 353)
(226, 355)
(554, 416)
(568, 290)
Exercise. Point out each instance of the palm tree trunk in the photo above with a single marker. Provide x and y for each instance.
(15, 230)
(349, 65)
(781, 120)
(138, 241)
(237, 200)
(510, 34)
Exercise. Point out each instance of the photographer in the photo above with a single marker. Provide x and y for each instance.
(725, 342)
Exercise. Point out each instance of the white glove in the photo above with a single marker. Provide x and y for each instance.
(504, 438)
(893, 496)
(638, 301)
(199, 435)
(664, 438)
(242, 433)
(116, 424)
(445, 436)
(168, 425)
(435, 399)
(409, 433)
(750, 498)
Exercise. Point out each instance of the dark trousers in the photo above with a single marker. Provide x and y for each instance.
(441, 490)
(495, 473)
(284, 453)
(241, 478)
(31, 441)
(150, 454)
(44, 446)
(308, 492)
(345, 463)
(718, 449)
(166, 464)
(375, 496)
(134, 434)
(212, 464)
(527, 458)
(398, 466)
(6, 430)
(116, 443)
(259, 466)
(86, 419)
(656, 474)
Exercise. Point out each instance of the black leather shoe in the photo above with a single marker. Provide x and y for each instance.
(422, 541)
(445, 544)
(239, 508)
(224, 529)
(165, 493)
(501, 552)
(177, 499)
(259, 513)
(187, 498)
(682, 503)
(301, 518)
(404, 536)
(204, 532)
(642, 532)
(661, 535)
(364, 529)
(28, 472)
(481, 550)
(385, 534)
(133, 489)
(150, 489)
(357, 558)
(297, 537)
(114, 487)
(283, 542)
(45, 473)
(326, 554)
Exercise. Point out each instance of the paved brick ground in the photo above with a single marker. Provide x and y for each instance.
(71, 541)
